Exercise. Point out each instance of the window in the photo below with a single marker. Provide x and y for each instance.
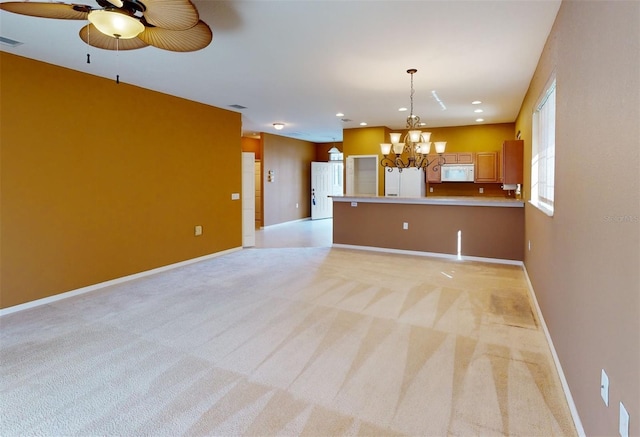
(544, 150)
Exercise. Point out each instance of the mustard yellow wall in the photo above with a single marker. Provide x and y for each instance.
(101, 180)
(365, 141)
(476, 138)
(252, 145)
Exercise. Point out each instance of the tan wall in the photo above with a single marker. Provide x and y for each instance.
(489, 232)
(101, 180)
(476, 138)
(584, 261)
(290, 159)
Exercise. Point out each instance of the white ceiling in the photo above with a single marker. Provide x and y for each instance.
(301, 62)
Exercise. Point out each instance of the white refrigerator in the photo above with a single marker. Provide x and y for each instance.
(408, 183)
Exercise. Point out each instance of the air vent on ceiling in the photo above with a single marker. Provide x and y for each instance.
(9, 42)
(346, 120)
(237, 107)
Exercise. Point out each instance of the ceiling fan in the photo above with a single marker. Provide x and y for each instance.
(128, 24)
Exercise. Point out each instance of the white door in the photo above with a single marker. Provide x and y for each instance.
(248, 200)
(321, 203)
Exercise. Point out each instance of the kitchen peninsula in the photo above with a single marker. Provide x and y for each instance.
(469, 226)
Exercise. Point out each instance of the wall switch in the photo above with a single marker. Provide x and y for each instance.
(296, 205)
(481, 190)
(354, 204)
(405, 226)
(604, 387)
(198, 230)
(529, 246)
(624, 421)
(235, 196)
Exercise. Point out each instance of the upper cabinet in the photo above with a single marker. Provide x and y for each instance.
(486, 169)
(512, 162)
(459, 158)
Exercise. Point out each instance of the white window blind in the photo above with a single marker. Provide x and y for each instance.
(544, 151)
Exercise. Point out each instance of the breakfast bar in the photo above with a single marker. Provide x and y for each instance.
(460, 226)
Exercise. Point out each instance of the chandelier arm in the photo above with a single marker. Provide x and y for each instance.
(388, 163)
(400, 163)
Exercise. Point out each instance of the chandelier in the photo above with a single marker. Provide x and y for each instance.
(416, 145)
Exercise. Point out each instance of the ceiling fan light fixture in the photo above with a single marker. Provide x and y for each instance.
(116, 24)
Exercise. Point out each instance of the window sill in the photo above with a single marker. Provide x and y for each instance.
(544, 209)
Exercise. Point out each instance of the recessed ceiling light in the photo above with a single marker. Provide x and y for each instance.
(476, 102)
(479, 120)
(478, 110)
(278, 126)
(339, 114)
(402, 109)
(363, 124)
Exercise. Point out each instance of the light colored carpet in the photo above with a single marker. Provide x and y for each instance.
(307, 341)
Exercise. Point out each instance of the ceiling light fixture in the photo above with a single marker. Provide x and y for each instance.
(476, 102)
(278, 126)
(416, 145)
(479, 120)
(339, 114)
(477, 111)
(116, 24)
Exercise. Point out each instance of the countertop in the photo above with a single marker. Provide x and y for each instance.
(451, 201)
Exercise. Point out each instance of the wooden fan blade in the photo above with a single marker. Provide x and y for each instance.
(48, 10)
(195, 38)
(171, 14)
(92, 36)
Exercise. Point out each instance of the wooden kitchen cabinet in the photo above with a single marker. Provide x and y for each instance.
(512, 162)
(486, 169)
(465, 158)
(459, 158)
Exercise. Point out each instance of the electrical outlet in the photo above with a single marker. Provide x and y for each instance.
(604, 387)
(405, 226)
(481, 190)
(624, 421)
(431, 189)
(198, 230)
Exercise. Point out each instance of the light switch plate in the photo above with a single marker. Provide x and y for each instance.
(235, 196)
(604, 387)
(624, 421)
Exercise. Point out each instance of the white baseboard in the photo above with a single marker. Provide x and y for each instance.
(89, 288)
(430, 254)
(563, 380)
(286, 223)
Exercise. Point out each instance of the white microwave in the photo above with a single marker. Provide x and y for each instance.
(457, 173)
